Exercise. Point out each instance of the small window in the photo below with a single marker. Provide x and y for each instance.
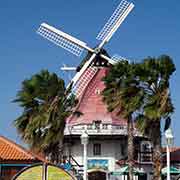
(123, 150)
(89, 126)
(97, 149)
(105, 126)
(98, 91)
(97, 124)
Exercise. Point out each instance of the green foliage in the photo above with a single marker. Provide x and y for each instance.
(122, 90)
(46, 104)
(154, 74)
(141, 88)
(141, 91)
(123, 94)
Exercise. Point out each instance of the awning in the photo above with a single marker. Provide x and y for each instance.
(125, 170)
(173, 170)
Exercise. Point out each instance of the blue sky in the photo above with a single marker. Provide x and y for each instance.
(152, 29)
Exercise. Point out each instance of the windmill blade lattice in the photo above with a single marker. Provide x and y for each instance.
(61, 39)
(84, 80)
(75, 46)
(123, 9)
(116, 58)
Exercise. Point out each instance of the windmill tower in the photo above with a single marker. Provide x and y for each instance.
(108, 133)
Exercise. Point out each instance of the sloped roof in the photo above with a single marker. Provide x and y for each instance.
(175, 154)
(92, 106)
(172, 149)
(10, 151)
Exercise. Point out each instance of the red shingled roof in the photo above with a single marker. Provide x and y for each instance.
(11, 151)
(174, 155)
(92, 106)
(172, 149)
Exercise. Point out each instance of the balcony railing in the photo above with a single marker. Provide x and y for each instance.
(103, 129)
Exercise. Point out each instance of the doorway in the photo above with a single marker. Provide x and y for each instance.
(97, 175)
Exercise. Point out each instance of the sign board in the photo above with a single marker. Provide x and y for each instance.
(31, 173)
(36, 172)
(57, 173)
(98, 164)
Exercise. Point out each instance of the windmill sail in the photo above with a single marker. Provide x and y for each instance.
(75, 46)
(84, 80)
(115, 20)
(116, 58)
(61, 39)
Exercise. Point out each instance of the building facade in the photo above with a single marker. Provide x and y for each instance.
(107, 147)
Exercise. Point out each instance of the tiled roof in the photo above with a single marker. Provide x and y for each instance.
(174, 154)
(92, 106)
(11, 151)
(172, 149)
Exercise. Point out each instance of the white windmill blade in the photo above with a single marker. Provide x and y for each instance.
(110, 61)
(116, 58)
(66, 68)
(62, 39)
(79, 74)
(88, 73)
(84, 80)
(121, 12)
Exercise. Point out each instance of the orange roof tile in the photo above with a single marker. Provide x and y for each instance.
(11, 151)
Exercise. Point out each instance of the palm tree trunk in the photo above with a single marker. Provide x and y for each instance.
(130, 149)
(156, 139)
(61, 147)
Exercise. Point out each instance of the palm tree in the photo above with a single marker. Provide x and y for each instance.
(123, 94)
(154, 75)
(141, 91)
(46, 104)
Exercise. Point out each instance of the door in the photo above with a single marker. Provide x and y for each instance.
(142, 177)
(97, 175)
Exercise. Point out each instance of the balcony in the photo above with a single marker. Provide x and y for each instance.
(96, 129)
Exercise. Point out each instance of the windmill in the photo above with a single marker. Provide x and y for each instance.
(76, 47)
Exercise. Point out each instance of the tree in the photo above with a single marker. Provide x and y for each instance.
(123, 95)
(154, 75)
(141, 91)
(46, 104)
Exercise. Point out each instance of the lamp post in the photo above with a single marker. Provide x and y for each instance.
(84, 142)
(169, 142)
